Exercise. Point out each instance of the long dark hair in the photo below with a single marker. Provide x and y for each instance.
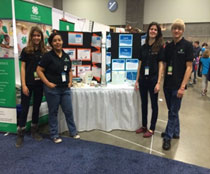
(30, 45)
(158, 39)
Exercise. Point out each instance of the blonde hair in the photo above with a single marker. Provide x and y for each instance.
(206, 53)
(178, 23)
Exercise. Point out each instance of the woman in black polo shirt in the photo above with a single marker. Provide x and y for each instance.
(55, 71)
(149, 76)
(30, 56)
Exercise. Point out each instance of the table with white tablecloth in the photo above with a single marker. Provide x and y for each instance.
(105, 108)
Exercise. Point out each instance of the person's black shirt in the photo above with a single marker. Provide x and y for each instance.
(196, 52)
(31, 60)
(176, 55)
(54, 66)
(151, 59)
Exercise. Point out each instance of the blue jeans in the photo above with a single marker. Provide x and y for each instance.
(55, 97)
(173, 105)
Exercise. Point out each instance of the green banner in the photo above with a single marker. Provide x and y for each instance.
(66, 26)
(7, 83)
(5, 9)
(33, 12)
(8, 127)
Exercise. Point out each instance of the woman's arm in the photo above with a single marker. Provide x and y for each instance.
(40, 72)
(138, 75)
(23, 78)
(160, 73)
(70, 78)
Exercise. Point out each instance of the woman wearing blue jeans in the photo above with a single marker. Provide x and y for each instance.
(55, 71)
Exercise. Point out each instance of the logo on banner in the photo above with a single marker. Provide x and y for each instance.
(35, 10)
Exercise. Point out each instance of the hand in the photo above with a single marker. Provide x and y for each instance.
(25, 90)
(51, 85)
(180, 93)
(69, 84)
(157, 88)
(136, 87)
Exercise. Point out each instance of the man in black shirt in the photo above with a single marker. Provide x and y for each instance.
(178, 68)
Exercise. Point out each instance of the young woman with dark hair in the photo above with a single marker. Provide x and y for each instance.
(150, 70)
(56, 73)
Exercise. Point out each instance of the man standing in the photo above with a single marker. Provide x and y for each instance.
(178, 68)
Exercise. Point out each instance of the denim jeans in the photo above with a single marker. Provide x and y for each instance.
(37, 91)
(173, 105)
(147, 86)
(55, 97)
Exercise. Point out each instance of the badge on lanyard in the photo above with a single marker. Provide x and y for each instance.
(146, 70)
(63, 76)
(36, 77)
(170, 69)
(65, 68)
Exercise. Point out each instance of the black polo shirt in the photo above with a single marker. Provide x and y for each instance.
(151, 59)
(54, 66)
(31, 61)
(176, 55)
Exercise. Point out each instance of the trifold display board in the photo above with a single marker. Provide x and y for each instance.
(122, 53)
(84, 49)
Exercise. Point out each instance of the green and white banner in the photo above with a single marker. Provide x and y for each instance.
(7, 95)
(33, 15)
(66, 26)
(30, 12)
(27, 14)
(8, 118)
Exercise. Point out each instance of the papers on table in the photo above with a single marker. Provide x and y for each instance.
(118, 77)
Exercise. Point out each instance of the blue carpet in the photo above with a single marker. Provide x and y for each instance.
(83, 157)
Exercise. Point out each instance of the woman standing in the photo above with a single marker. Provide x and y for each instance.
(55, 71)
(30, 56)
(148, 79)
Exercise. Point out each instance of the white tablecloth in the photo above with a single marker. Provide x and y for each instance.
(104, 108)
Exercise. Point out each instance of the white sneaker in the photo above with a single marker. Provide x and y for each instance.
(57, 140)
(77, 136)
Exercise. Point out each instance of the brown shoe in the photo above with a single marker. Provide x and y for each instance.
(148, 134)
(35, 134)
(141, 130)
(20, 137)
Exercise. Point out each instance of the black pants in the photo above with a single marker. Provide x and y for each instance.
(147, 86)
(37, 91)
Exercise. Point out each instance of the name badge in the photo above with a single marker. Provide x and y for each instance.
(36, 77)
(63, 76)
(146, 70)
(170, 69)
(65, 68)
